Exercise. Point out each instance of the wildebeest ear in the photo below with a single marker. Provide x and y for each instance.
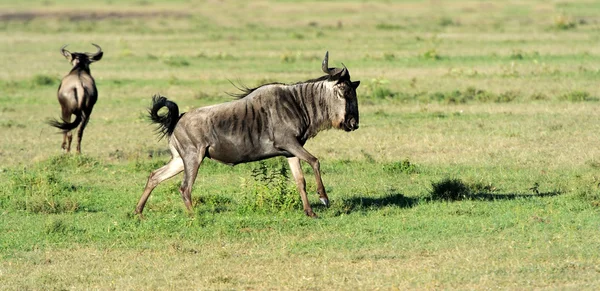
(341, 75)
(355, 84)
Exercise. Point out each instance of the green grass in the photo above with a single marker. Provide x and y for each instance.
(475, 165)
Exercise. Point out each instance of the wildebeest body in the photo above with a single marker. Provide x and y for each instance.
(248, 129)
(271, 120)
(77, 95)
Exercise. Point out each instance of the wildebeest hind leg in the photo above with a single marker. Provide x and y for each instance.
(174, 167)
(84, 121)
(67, 136)
(191, 161)
(300, 184)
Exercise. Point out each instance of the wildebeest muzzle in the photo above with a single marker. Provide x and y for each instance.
(350, 124)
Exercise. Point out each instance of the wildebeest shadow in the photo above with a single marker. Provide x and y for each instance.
(508, 196)
(395, 199)
(357, 204)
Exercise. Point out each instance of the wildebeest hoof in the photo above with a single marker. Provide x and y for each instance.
(325, 201)
(310, 213)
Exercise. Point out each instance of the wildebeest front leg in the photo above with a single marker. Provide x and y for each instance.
(299, 152)
(301, 184)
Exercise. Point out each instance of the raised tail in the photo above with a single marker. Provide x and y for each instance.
(166, 122)
(64, 125)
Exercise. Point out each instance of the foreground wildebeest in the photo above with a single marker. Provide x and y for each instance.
(270, 120)
(77, 95)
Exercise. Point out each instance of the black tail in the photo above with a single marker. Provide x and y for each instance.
(67, 125)
(166, 122)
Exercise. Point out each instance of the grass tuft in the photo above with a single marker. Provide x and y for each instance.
(401, 167)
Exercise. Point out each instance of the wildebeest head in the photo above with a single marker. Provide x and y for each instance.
(344, 103)
(82, 59)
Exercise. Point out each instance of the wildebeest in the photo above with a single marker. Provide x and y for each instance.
(270, 120)
(77, 95)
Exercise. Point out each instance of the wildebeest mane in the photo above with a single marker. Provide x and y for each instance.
(247, 91)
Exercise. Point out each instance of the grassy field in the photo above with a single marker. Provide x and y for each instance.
(476, 166)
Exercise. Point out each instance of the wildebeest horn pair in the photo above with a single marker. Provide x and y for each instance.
(90, 55)
(332, 71)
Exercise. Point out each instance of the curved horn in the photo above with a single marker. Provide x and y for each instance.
(63, 51)
(325, 64)
(98, 52)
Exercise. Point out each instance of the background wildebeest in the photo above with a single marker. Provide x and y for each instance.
(270, 120)
(77, 95)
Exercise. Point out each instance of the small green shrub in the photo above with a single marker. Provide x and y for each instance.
(270, 190)
(450, 190)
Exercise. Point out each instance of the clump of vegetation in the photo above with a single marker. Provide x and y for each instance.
(431, 54)
(450, 190)
(577, 96)
(455, 189)
(175, 61)
(43, 80)
(507, 96)
(297, 35)
(563, 22)
(271, 189)
(11, 124)
(201, 95)
(389, 56)
(447, 21)
(377, 89)
(38, 191)
(517, 54)
(473, 94)
(539, 96)
(404, 166)
(387, 26)
(288, 57)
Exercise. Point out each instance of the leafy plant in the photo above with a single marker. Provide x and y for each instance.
(271, 190)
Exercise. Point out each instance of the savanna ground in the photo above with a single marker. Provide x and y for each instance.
(476, 165)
